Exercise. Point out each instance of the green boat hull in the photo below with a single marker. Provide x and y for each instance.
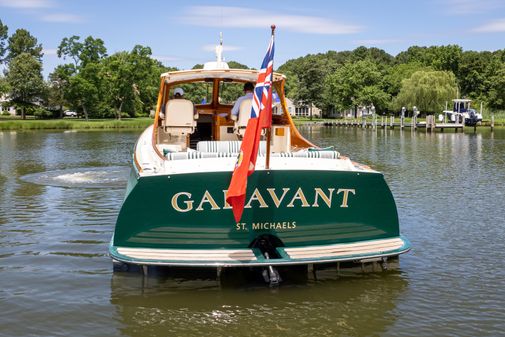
(304, 208)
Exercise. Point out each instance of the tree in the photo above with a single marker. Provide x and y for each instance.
(236, 65)
(298, 72)
(354, 84)
(473, 73)
(24, 77)
(373, 54)
(71, 47)
(496, 85)
(396, 74)
(4, 86)
(439, 57)
(146, 79)
(87, 57)
(83, 93)
(3, 37)
(311, 82)
(23, 42)
(90, 51)
(59, 85)
(428, 90)
(119, 85)
(93, 50)
(131, 81)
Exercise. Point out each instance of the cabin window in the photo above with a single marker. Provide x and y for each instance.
(230, 91)
(197, 92)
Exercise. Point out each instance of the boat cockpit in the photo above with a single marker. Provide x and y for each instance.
(203, 113)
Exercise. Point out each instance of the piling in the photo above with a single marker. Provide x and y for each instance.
(430, 123)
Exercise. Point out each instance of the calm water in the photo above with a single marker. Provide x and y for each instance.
(56, 278)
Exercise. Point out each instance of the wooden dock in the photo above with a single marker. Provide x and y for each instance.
(391, 123)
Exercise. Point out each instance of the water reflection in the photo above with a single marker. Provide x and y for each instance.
(351, 304)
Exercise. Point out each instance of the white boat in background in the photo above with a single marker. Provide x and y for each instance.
(461, 113)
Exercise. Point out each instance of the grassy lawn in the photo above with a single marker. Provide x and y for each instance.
(9, 123)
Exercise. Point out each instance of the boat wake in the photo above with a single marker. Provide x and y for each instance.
(84, 177)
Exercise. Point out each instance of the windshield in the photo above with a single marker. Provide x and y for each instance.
(196, 92)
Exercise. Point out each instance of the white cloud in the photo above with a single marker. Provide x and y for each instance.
(211, 47)
(492, 27)
(239, 17)
(467, 7)
(62, 17)
(26, 4)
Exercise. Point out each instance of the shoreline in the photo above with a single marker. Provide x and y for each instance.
(73, 124)
(130, 123)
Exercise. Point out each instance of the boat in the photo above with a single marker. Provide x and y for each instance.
(304, 204)
(461, 113)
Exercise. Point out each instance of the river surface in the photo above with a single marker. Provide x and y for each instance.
(60, 193)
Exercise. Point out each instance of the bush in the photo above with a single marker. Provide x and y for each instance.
(42, 113)
(141, 114)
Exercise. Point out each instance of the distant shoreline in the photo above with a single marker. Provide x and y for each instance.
(74, 124)
(7, 124)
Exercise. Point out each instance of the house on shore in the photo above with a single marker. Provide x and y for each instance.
(5, 106)
(297, 110)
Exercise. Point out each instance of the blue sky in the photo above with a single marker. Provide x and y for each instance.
(183, 33)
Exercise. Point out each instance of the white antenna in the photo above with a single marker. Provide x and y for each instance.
(219, 49)
(219, 64)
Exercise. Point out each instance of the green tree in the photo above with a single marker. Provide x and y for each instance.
(71, 47)
(311, 82)
(90, 51)
(131, 80)
(83, 93)
(84, 73)
(93, 50)
(4, 85)
(373, 54)
(439, 57)
(59, 85)
(496, 85)
(3, 37)
(354, 84)
(119, 86)
(296, 69)
(428, 90)
(396, 74)
(237, 65)
(473, 73)
(146, 75)
(23, 42)
(24, 77)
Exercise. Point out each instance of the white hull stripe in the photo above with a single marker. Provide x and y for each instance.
(334, 251)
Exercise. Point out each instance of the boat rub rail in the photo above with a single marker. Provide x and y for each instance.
(253, 257)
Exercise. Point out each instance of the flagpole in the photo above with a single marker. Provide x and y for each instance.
(269, 129)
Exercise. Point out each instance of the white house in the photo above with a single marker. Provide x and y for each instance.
(297, 110)
(6, 107)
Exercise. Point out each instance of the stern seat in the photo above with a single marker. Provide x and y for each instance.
(220, 149)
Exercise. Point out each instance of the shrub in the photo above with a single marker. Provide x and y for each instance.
(42, 113)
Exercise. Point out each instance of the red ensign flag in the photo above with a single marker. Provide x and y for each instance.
(261, 117)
